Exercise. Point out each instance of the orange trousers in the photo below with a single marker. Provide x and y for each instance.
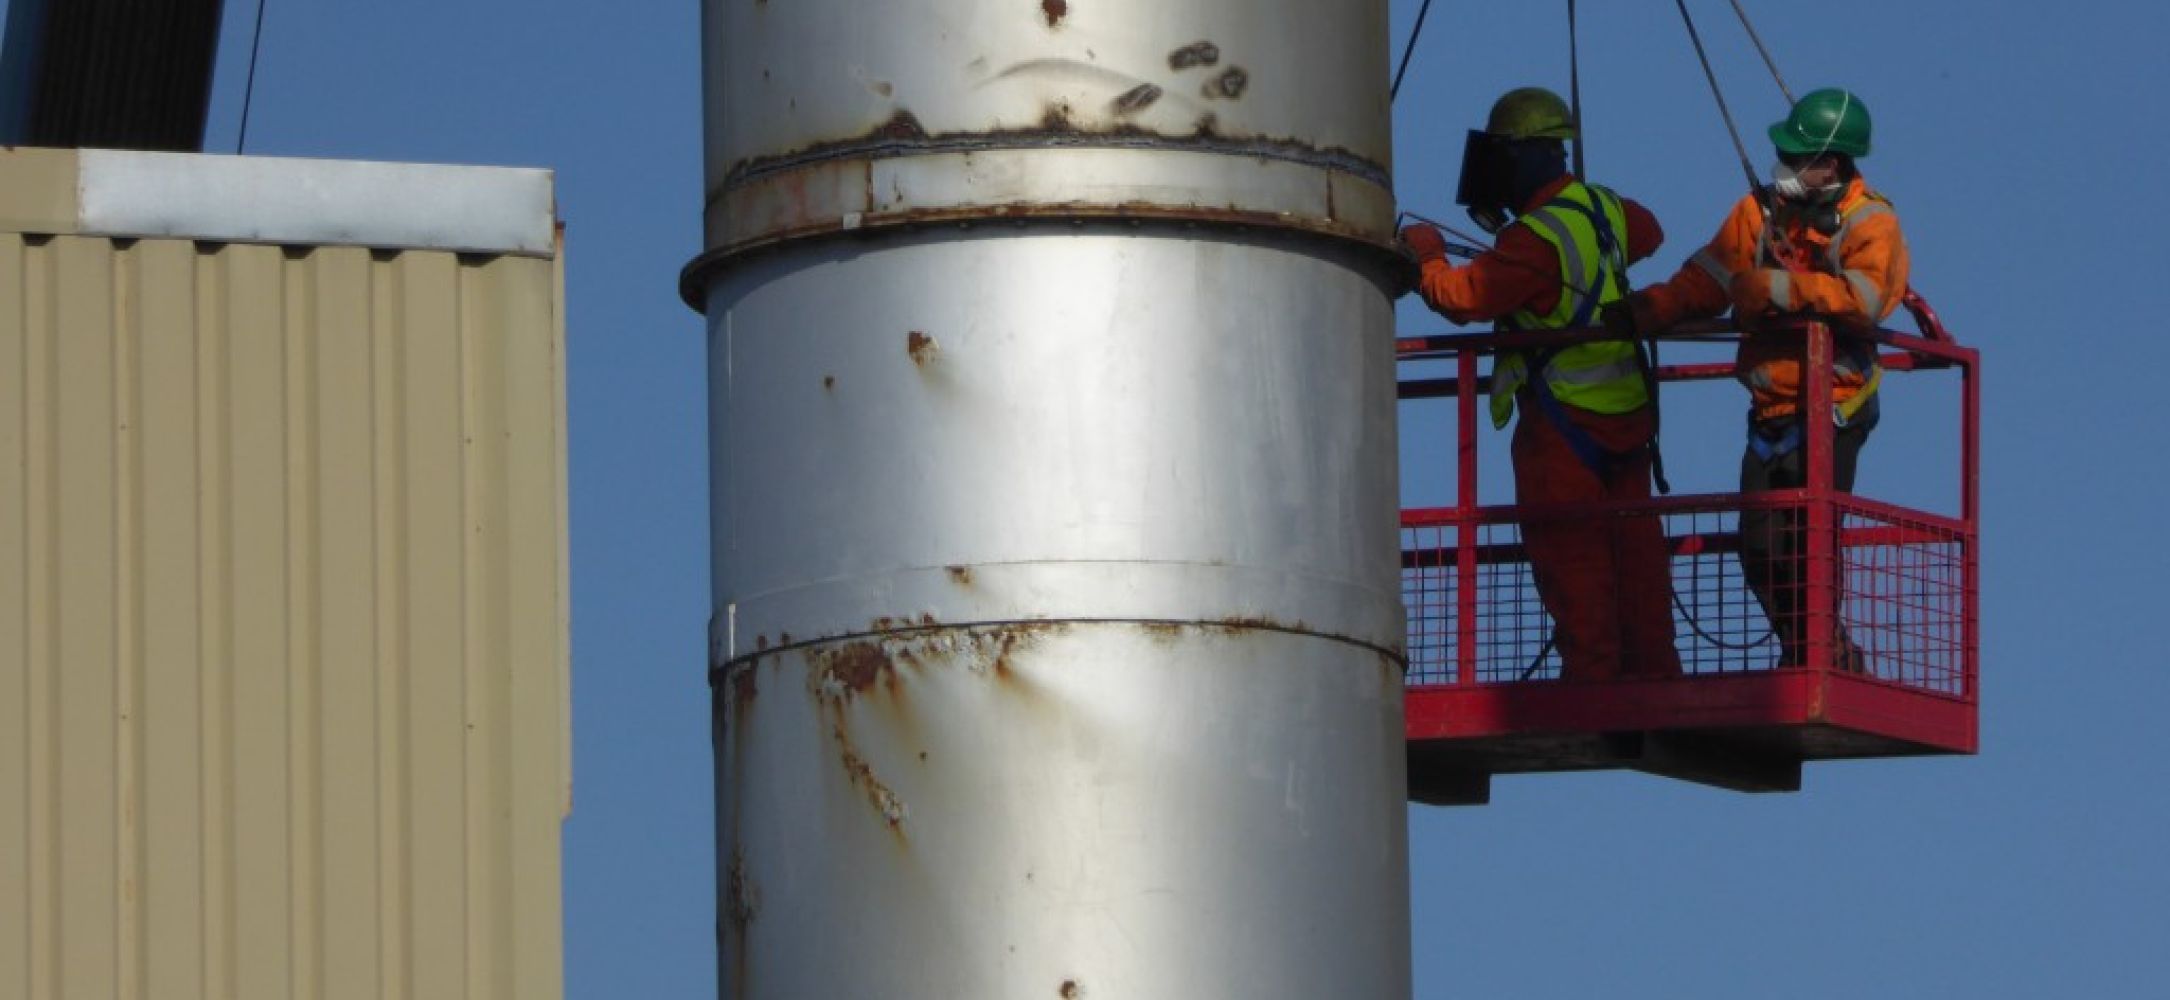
(1605, 580)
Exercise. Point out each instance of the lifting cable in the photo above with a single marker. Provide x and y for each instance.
(1783, 90)
(248, 90)
(1574, 90)
(1755, 184)
(1779, 244)
(1407, 51)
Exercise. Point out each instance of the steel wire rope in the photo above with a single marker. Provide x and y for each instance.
(1772, 64)
(1574, 88)
(1695, 38)
(1408, 51)
(248, 90)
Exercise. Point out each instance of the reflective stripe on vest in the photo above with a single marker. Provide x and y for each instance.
(1872, 300)
(1872, 303)
(1602, 376)
(1870, 207)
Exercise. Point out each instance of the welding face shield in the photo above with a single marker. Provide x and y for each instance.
(1487, 176)
(1500, 175)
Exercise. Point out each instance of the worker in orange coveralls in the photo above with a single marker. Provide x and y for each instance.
(1841, 257)
(1587, 427)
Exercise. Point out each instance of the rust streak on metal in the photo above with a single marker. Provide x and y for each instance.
(1054, 11)
(744, 687)
(960, 575)
(885, 801)
(1382, 248)
(1229, 84)
(852, 668)
(1135, 99)
(901, 125)
(1248, 622)
(1162, 631)
(742, 899)
(1004, 672)
(902, 134)
(1198, 53)
(1071, 989)
(920, 347)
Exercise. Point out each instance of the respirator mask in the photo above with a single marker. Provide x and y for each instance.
(1786, 181)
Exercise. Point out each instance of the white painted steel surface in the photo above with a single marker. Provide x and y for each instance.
(1058, 622)
(1307, 73)
(253, 199)
(827, 117)
(1064, 809)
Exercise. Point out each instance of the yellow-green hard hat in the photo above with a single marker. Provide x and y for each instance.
(1530, 113)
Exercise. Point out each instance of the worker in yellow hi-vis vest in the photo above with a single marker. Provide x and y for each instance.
(1587, 421)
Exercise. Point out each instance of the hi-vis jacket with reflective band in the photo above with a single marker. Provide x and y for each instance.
(1859, 275)
(1603, 376)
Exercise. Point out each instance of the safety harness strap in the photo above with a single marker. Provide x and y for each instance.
(1614, 256)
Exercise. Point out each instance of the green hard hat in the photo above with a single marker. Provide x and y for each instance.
(1827, 120)
(1530, 113)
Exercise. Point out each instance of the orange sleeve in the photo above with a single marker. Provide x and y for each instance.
(1874, 262)
(1699, 290)
(1644, 235)
(1522, 272)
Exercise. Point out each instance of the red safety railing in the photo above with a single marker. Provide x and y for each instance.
(1886, 594)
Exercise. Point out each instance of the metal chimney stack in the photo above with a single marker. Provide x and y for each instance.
(1057, 628)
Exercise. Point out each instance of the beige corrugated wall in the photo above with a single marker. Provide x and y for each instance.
(283, 651)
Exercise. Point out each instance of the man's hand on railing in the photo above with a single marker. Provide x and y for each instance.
(1753, 297)
(1635, 317)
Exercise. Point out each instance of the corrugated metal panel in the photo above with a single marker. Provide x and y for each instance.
(283, 655)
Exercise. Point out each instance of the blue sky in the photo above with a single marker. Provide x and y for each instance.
(2008, 134)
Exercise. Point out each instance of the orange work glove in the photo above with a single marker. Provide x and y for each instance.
(1423, 240)
(1752, 296)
